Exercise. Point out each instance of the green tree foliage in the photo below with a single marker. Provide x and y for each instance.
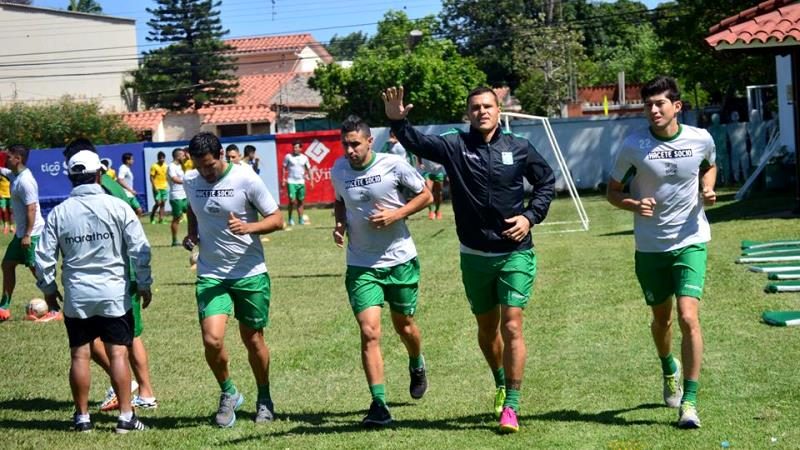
(436, 78)
(345, 48)
(86, 6)
(54, 124)
(193, 70)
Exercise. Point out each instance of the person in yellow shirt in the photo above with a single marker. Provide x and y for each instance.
(158, 179)
(106, 163)
(188, 164)
(5, 205)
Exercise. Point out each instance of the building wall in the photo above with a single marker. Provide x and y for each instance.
(179, 126)
(68, 45)
(309, 60)
(266, 63)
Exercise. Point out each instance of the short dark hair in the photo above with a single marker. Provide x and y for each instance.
(78, 179)
(161, 155)
(661, 85)
(355, 123)
(127, 156)
(19, 150)
(77, 145)
(175, 152)
(297, 142)
(203, 143)
(483, 90)
(231, 147)
(249, 149)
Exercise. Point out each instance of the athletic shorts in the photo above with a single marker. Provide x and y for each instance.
(136, 308)
(134, 202)
(433, 176)
(160, 195)
(246, 298)
(179, 206)
(680, 272)
(296, 191)
(398, 285)
(111, 330)
(15, 252)
(5, 202)
(498, 280)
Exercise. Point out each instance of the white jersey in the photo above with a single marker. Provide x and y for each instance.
(295, 167)
(125, 174)
(239, 191)
(362, 191)
(24, 192)
(668, 171)
(176, 191)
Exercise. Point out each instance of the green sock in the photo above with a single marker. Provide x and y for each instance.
(690, 391)
(263, 392)
(5, 301)
(512, 399)
(415, 362)
(668, 364)
(499, 377)
(378, 392)
(228, 387)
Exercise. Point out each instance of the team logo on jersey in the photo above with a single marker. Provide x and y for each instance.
(671, 153)
(317, 151)
(212, 193)
(91, 237)
(359, 182)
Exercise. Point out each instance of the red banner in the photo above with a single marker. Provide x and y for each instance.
(322, 148)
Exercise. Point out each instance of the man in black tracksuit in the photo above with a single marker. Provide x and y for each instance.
(486, 167)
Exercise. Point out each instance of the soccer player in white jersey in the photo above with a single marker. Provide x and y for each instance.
(296, 169)
(225, 201)
(672, 174)
(381, 258)
(177, 196)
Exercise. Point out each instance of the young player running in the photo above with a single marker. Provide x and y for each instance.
(382, 261)
(672, 174)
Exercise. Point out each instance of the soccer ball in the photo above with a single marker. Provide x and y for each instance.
(37, 308)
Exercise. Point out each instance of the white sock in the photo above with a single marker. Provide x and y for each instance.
(126, 416)
(147, 399)
(82, 418)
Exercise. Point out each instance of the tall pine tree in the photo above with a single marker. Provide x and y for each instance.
(193, 70)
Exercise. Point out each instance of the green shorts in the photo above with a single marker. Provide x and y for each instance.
(398, 285)
(498, 280)
(179, 206)
(247, 298)
(438, 177)
(160, 195)
(14, 251)
(5, 202)
(680, 272)
(134, 202)
(296, 191)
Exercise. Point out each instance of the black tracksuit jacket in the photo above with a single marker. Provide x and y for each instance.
(486, 182)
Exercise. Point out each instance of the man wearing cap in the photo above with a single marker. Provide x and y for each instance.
(97, 236)
(28, 217)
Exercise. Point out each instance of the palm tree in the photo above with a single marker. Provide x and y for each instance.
(86, 6)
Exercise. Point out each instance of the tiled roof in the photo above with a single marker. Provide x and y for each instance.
(278, 44)
(144, 120)
(225, 114)
(260, 89)
(770, 23)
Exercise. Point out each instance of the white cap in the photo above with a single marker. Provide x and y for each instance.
(85, 161)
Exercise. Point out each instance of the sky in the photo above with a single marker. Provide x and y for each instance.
(322, 18)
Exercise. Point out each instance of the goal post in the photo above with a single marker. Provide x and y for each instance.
(583, 218)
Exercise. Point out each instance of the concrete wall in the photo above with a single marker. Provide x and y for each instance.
(783, 69)
(177, 126)
(58, 53)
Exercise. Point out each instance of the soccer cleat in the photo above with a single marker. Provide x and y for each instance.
(687, 416)
(82, 427)
(30, 317)
(499, 399)
(508, 421)
(51, 316)
(291, 222)
(141, 403)
(111, 402)
(673, 392)
(126, 426)
(431, 215)
(226, 413)
(175, 244)
(419, 382)
(438, 215)
(5, 314)
(377, 416)
(265, 412)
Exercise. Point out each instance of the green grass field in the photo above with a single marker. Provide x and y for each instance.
(592, 381)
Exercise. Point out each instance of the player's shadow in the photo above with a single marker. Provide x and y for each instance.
(610, 417)
(618, 233)
(34, 404)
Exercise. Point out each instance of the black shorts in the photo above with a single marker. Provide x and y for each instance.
(111, 330)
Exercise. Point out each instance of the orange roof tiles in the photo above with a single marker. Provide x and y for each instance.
(144, 120)
(259, 89)
(770, 22)
(224, 114)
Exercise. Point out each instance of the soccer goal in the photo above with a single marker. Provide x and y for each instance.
(564, 226)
